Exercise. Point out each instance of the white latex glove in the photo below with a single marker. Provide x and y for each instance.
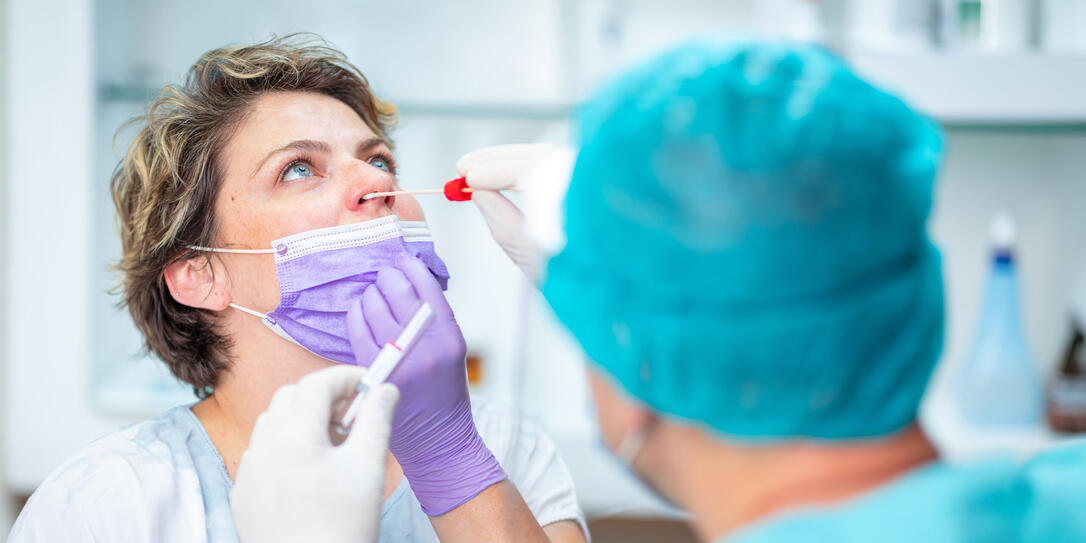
(541, 172)
(293, 484)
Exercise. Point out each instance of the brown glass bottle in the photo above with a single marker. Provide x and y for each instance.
(474, 362)
(1066, 398)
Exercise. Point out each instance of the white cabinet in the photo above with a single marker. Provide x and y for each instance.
(985, 89)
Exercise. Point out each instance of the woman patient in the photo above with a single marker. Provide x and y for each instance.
(262, 143)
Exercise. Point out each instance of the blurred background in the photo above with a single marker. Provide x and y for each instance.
(1004, 77)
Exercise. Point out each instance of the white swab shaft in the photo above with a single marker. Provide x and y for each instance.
(373, 195)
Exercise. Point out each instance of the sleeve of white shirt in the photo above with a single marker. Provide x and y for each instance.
(110, 497)
(73, 505)
(532, 463)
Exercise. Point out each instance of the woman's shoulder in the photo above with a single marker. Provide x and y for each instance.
(490, 413)
(140, 447)
(505, 430)
(113, 486)
(531, 460)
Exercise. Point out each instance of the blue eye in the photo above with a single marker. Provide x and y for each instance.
(381, 164)
(299, 170)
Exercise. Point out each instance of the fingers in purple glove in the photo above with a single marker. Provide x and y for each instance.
(399, 294)
(425, 284)
(379, 316)
(358, 333)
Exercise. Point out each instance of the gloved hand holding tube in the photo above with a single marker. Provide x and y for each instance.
(329, 493)
(541, 172)
(433, 434)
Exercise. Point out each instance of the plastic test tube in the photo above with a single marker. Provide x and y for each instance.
(386, 361)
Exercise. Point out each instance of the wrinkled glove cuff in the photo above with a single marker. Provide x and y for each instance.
(456, 482)
(451, 468)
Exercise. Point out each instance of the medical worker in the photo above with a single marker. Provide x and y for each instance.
(748, 270)
(747, 267)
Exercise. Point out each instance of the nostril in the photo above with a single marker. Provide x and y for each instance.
(387, 199)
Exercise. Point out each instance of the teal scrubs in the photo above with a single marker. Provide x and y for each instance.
(997, 500)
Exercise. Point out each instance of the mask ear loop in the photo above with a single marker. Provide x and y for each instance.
(256, 314)
(235, 251)
(279, 249)
(634, 440)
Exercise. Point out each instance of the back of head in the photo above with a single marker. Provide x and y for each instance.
(747, 243)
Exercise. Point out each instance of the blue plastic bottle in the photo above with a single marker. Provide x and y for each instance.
(1000, 383)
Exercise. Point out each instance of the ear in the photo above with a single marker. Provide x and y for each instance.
(193, 282)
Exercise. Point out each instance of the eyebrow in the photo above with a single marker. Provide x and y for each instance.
(368, 144)
(315, 146)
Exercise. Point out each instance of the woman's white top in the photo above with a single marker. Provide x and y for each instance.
(162, 480)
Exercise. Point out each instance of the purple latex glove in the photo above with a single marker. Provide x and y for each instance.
(433, 435)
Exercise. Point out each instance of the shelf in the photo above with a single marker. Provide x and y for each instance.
(958, 89)
(983, 90)
(959, 440)
(529, 111)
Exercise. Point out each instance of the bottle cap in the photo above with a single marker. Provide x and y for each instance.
(455, 190)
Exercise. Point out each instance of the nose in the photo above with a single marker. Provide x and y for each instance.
(363, 179)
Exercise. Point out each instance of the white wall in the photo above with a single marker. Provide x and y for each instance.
(412, 50)
(5, 494)
(50, 87)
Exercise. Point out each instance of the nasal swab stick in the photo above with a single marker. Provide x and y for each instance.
(373, 195)
(456, 190)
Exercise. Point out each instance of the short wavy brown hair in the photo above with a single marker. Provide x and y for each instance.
(165, 186)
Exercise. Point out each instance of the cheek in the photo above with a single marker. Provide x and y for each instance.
(407, 208)
(243, 224)
(253, 281)
(251, 220)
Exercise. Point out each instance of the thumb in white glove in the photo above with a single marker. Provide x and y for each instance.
(541, 172)
(294, 484)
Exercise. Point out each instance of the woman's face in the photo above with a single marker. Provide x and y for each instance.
(298, 161)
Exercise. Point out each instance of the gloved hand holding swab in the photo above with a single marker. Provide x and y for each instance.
(387, 360)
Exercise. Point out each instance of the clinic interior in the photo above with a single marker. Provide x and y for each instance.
(473, 73)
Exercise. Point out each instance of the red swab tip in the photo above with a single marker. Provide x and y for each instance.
(454, 190)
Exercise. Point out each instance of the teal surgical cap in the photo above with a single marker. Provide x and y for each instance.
(747, 245)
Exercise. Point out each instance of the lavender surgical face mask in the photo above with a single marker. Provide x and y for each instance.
(321, 272)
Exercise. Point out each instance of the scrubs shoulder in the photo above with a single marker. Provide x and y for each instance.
(162, 480)
(997, 500)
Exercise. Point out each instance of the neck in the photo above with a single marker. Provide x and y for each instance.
(752, 482)
(262, 362)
